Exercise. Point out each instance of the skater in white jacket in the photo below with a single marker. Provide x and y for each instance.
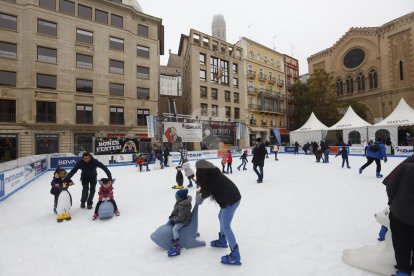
(188, 171)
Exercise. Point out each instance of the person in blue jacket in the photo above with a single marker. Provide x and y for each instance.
(344, 153)
(375, 152)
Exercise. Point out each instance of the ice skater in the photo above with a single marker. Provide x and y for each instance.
(188, 171)
(259, 155)
(375, 152)
(276, 150)
(218, 187)
(244, 161)
(57, 183)
(180, 217)
(141, 161)
(296, 145)
(105, 194)
(344, 153)
(229, 162)
(223, 162)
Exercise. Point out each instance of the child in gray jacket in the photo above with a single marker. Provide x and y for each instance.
(179, 218)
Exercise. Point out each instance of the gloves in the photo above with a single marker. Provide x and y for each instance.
(172, 222)
(385, 159)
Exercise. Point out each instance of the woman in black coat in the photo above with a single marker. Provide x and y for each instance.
(259, 155)
(218, 187)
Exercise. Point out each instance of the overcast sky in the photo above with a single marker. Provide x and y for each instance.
(295, 27)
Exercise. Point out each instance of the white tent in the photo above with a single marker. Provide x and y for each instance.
(403, 115)
(312, 130)
(351, 122)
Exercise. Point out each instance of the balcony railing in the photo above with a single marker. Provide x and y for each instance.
(280, 82)
(253, 122)
(267, 109)
(7, 117)
(251, 89)
(273, 94)
(271, 80)
(264, 124)
(262, 77)
(46, 118)
(251, 74)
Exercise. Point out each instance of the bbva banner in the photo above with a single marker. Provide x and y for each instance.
(182, 132)
(66, 162)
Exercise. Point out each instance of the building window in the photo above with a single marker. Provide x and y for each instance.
(101, 16)
(143, 73)
(67, 7)
(235, 82)
(224, 72)
(85, 86)
(228, 111)
(373, 79)
(8, 50)
(236, 97)
(235, 68)
(339, 87)
(84, 114)
(202, 59)
(142, 117)
(116, 89)
(116, 43)
(7, 111)
(117, 21)
(46, 27)
(236, 113)
(116, 115)
(214, 69)
(46, 81)
(142, 51)
(361, 82)
(84, 36)
(206, 42)
(84, 61)
(202, 75)
(116, 66)
(251, 55)
(83, 142)
(227, 96)
(214, 93)
(214, 110)
(203, 92)
(45, 112)
(48, 4)
(46, 54)
(354, 137)
(143, 30)
(349, 85)
(8, 22)
(84, 12)
(401, 70)
(143, 93)
(46, 143)
(203, 109)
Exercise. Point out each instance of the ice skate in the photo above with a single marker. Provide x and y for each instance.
(175, 250)
(178, 187)
(233, 258)
(67, 216)
(221, 242)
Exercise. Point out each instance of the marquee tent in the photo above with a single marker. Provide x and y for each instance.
(352, 124)
(312, 130)
(403, 115)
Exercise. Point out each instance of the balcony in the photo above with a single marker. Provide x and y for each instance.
(252, 122)
(273, 94)
(264, 124)
(251, 89)
(271, 80)
(7, 117)
(254, 107)
(262, 77)
(280, 82)
(251, 74)
(269, 109)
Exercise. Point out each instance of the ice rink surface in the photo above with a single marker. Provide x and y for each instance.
(297, 222)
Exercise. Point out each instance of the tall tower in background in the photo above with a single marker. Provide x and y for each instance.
(218, 27)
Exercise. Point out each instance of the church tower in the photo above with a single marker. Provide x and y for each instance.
(218, 27)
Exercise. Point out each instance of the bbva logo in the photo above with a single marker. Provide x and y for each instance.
(67, 162)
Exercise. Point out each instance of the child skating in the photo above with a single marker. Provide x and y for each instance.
(229, 162)
(344, 154)
(63, 199)
(244, 161)
(105, 194)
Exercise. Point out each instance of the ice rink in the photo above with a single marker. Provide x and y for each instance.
(297, 222)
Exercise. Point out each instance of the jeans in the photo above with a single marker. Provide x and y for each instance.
(276, 155)
(88, 190)
(177, 227)
(100, 202)
(259, 174)
(225, 216)
(326, 155)
(229, 167)
(345, 160)
(244, 163)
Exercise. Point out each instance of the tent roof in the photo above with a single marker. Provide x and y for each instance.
(312, 124)
(350, 120)
(403, 115)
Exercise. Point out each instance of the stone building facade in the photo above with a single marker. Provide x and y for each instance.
(74, 70)
(373, 65)
(171, 86)
(292, 76)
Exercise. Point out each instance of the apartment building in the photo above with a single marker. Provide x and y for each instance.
(74, 70)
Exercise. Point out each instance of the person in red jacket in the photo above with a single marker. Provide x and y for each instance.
(229, 161)
(105, 193)
(142, 161)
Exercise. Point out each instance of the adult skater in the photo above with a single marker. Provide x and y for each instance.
(259, 155)
(296, 145)
(88, 165)
(218, 187)
(375, 152)
(400, 190)
(166, 154)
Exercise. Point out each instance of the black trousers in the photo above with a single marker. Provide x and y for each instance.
(370, 160)
(403, 241)
(88, 190)
(100, 202)
(229, 167)
(345, 160)
(259, 174)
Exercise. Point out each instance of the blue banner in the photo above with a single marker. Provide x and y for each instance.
(1, 185)
(66, 162)
(277, 135)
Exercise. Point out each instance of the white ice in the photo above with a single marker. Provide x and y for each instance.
(297, 222)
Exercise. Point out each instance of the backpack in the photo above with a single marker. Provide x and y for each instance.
(374, 147)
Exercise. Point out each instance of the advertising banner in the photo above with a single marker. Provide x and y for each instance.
(2, 190)
(356, 150)
(176, 133)
(151, 126)
(67, 162)
(403, 151)
(114, 145)
(216, 133)
(13, 180)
